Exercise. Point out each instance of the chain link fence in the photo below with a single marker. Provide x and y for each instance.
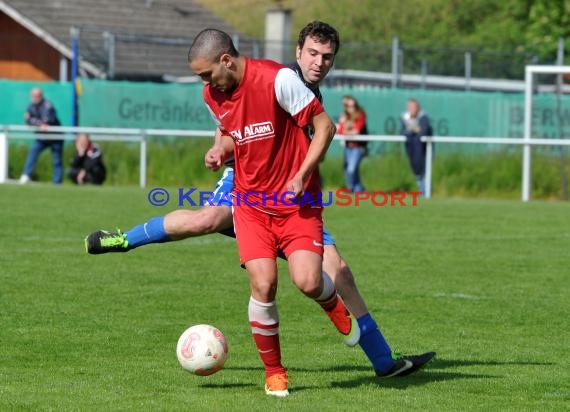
(373, 57)
(139, 57)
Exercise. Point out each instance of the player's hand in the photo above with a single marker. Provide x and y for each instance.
(81, 177)
(296, 187)
(214, 158)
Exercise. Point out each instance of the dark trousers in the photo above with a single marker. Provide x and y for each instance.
(416, 151)
(39, 146)
(95, 177)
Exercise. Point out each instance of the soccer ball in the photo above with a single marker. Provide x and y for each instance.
(202, 350)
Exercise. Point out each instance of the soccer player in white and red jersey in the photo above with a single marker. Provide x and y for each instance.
(265, 108)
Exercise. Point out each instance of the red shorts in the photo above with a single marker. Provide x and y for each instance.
(261, 235)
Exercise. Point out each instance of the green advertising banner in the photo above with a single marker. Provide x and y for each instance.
(15, 98)
(143, 105)
(459, 113)
(180, 106)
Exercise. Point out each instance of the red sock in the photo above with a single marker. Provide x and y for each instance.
(269, 352)
(264, 323)
(337, 312)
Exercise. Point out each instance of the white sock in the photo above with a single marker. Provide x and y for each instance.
(263, 314)
(328, 288)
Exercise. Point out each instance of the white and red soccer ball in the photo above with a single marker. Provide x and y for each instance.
(202, 350)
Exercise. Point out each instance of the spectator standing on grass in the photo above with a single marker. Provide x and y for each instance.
(415, 125)
(42, 113)
(352, 121)
(87, 166)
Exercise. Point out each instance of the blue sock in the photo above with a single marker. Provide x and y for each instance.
(374, 345)
(149, 232)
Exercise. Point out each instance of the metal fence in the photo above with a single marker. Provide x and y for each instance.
(147, 57)
(140, 136)
(107, 49)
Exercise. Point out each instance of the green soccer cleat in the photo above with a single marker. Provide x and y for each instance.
(103, 241)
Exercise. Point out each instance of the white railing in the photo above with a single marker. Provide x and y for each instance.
(96, 133)
(525, 142)
(140, 136)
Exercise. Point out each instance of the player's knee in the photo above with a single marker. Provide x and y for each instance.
(263, 290)
(205, 221)
(308, 283)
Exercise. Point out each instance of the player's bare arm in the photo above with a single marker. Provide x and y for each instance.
(223, 148)
(324, 130)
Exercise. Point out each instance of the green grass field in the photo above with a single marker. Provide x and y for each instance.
(485, 283)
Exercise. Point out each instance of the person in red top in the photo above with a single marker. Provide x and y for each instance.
(352, 121)
(265, 108)
(266, 116)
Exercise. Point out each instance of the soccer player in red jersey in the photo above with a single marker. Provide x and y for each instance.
(317, 47)
(265, 108)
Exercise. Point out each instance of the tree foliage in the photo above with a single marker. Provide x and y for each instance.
(531, 27)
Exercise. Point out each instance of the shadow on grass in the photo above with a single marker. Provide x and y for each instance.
(244, 368)
(450, 363)
(425, 376)
(421, 378)
(432, 373)
(335, 368)
(436, 363)
(226, 385)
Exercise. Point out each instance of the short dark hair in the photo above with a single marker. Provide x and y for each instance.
(320, 31)
(212, 44)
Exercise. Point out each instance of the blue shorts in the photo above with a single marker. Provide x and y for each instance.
(224, 189)
(221, 197)
(327, 237)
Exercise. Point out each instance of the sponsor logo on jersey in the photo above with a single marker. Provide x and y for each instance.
(254, 131)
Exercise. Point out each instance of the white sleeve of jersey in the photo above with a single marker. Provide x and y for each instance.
(292, 94)
(214, 118)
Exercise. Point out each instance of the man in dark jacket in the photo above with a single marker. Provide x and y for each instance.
(42, 114)
(87, 165)
(415, 124)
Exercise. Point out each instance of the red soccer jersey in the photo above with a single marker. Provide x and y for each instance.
(266, 116)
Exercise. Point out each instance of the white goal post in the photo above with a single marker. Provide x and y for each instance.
(530, 71)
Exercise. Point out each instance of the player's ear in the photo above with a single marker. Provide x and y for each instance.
(298, 53)
(226, 60)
